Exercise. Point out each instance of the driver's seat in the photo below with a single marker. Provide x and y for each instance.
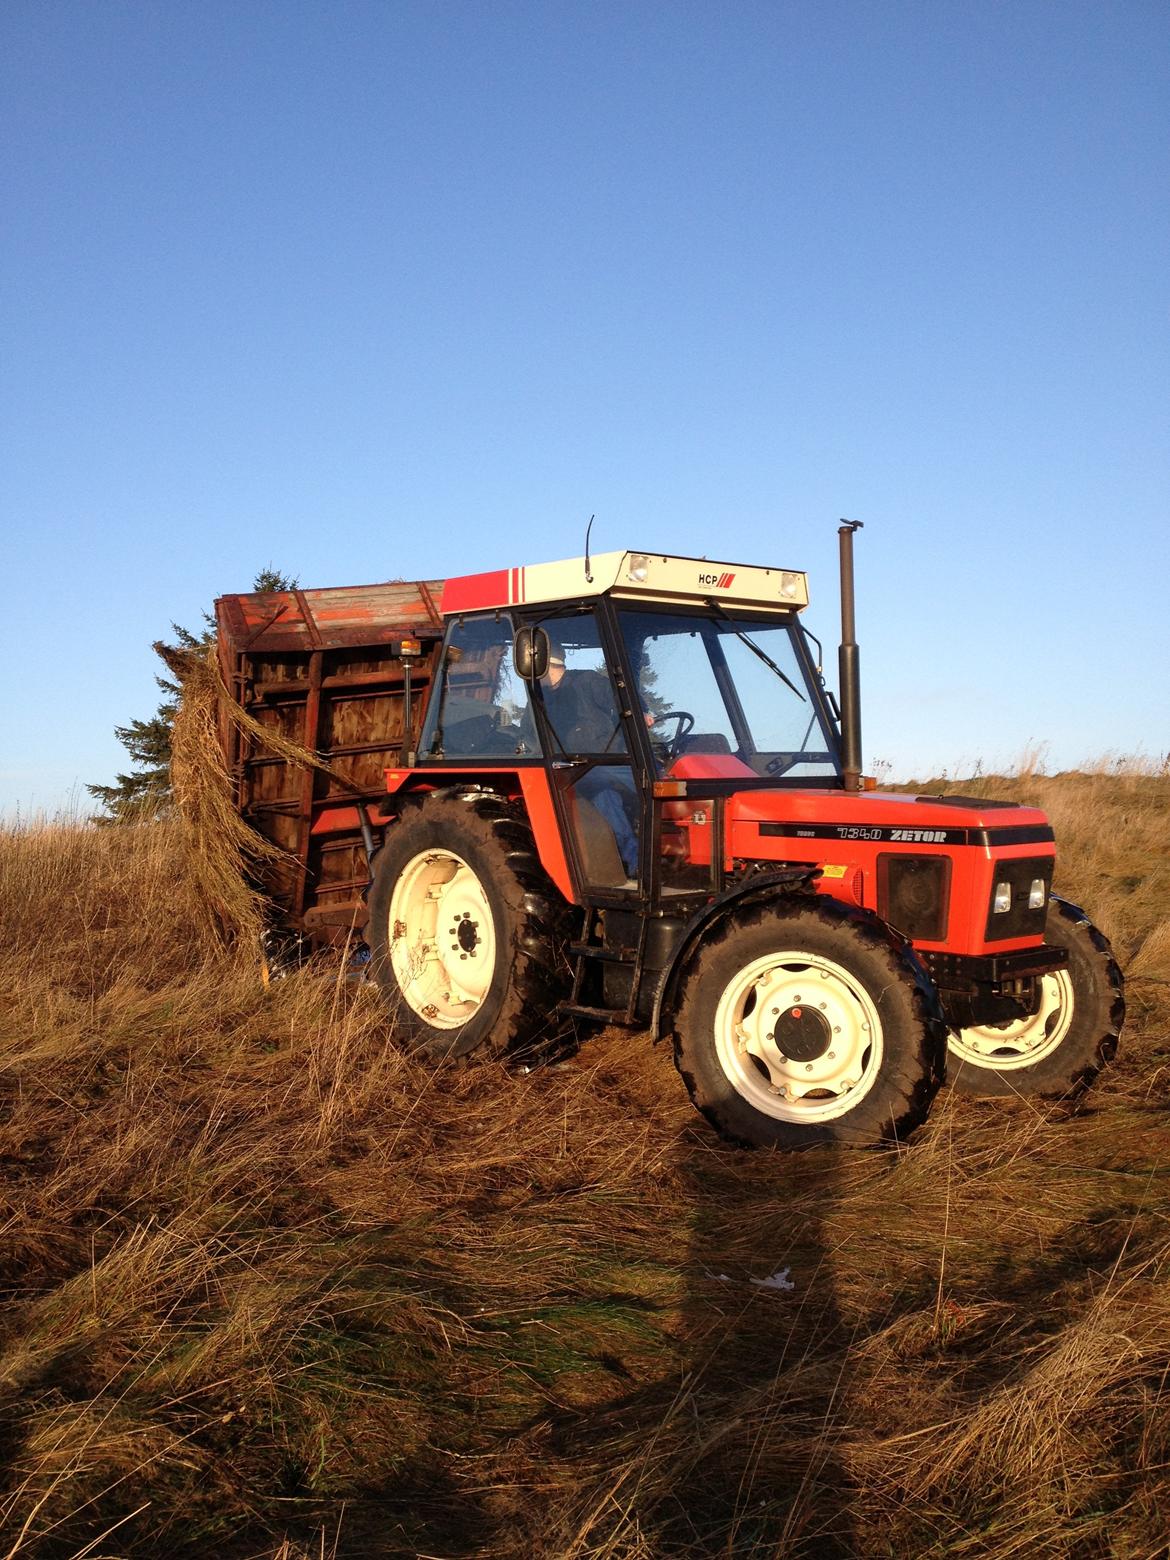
(705, 742)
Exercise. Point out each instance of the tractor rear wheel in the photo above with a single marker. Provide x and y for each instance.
(799, 1024)
(466, 930)
(1061, 1047)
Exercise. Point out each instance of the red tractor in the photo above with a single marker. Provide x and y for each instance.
(634, 801)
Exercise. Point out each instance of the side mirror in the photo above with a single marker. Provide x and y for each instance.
(530, 651)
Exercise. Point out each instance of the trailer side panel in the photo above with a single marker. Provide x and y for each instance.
(324, 669)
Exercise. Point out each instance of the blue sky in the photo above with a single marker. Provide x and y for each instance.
(375, 290)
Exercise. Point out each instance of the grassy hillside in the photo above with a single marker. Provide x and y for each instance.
(269, 1288)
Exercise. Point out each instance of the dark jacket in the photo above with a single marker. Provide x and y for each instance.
(584, 714)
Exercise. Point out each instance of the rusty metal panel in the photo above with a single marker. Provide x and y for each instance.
(338, 616)
(321, 668)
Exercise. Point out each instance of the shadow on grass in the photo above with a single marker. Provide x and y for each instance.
(732, 1449)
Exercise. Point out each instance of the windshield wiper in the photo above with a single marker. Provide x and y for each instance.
(756, 650)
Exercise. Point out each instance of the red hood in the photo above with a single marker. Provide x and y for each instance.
(878, 808)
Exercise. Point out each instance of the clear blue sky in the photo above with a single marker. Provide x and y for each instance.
(366, 290)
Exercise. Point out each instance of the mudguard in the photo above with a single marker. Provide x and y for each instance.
(762, 886)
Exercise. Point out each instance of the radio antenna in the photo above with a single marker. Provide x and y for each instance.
(588, 528)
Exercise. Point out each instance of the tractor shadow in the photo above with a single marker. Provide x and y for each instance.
(734, 1450)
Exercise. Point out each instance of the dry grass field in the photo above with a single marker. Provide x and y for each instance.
(270, 1288)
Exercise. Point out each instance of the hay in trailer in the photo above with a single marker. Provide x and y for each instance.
(224, 852)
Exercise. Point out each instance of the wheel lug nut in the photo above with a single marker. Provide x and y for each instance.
(808, 1067)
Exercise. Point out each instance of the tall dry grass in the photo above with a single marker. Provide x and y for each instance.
(270, 1288)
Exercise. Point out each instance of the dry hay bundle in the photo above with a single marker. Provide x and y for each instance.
(223, 851)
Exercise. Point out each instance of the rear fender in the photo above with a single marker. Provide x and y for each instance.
(530, 784)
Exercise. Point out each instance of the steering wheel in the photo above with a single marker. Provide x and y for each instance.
(672, 747)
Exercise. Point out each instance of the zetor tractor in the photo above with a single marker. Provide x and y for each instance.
(635, 802)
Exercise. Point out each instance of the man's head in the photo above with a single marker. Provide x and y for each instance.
(556, 663)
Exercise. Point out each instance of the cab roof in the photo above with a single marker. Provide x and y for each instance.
(647, 576)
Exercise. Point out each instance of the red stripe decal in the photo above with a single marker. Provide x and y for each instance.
(470, 591)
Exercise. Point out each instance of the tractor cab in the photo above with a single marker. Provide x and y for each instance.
(647, 691)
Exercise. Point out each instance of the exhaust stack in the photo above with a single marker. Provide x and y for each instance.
(849, 664)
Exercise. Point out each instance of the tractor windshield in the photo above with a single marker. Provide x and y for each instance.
(731, 686)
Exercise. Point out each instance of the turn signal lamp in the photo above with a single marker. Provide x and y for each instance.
(410, 647)
(670, 788)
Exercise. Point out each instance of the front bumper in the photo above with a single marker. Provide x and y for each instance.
(997, 971)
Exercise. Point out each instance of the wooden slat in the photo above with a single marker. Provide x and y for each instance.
(339, 616)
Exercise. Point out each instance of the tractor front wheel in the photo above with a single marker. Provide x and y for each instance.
(799, 1023)
(466, 930)
(1072, 1032)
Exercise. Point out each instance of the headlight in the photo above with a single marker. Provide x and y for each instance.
(639, 568)
(790, 586)
(1019, 903)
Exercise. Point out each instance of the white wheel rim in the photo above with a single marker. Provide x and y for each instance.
(442, 938)
(1024, 1041)
(831, 1007)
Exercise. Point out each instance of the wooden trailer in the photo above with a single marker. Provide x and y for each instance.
(341, 672)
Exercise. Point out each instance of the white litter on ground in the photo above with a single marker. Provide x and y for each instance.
(777, 1280)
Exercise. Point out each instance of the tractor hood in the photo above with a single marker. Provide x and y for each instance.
(929, 865)
(886, 817)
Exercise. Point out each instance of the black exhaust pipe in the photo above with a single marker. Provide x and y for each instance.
(849, 664)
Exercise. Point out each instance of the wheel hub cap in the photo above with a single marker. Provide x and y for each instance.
(802, 1034)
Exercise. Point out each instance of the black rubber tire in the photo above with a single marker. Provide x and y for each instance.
(531, 921)
(913, 1035)
(1098, 1012)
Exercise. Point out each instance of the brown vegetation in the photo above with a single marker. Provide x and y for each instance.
(269, 1287)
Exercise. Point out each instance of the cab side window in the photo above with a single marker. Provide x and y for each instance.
(481, 708)
(577, 693)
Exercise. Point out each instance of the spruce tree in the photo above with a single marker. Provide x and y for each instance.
(145, 793)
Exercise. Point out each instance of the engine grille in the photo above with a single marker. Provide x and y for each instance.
(914, 894)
